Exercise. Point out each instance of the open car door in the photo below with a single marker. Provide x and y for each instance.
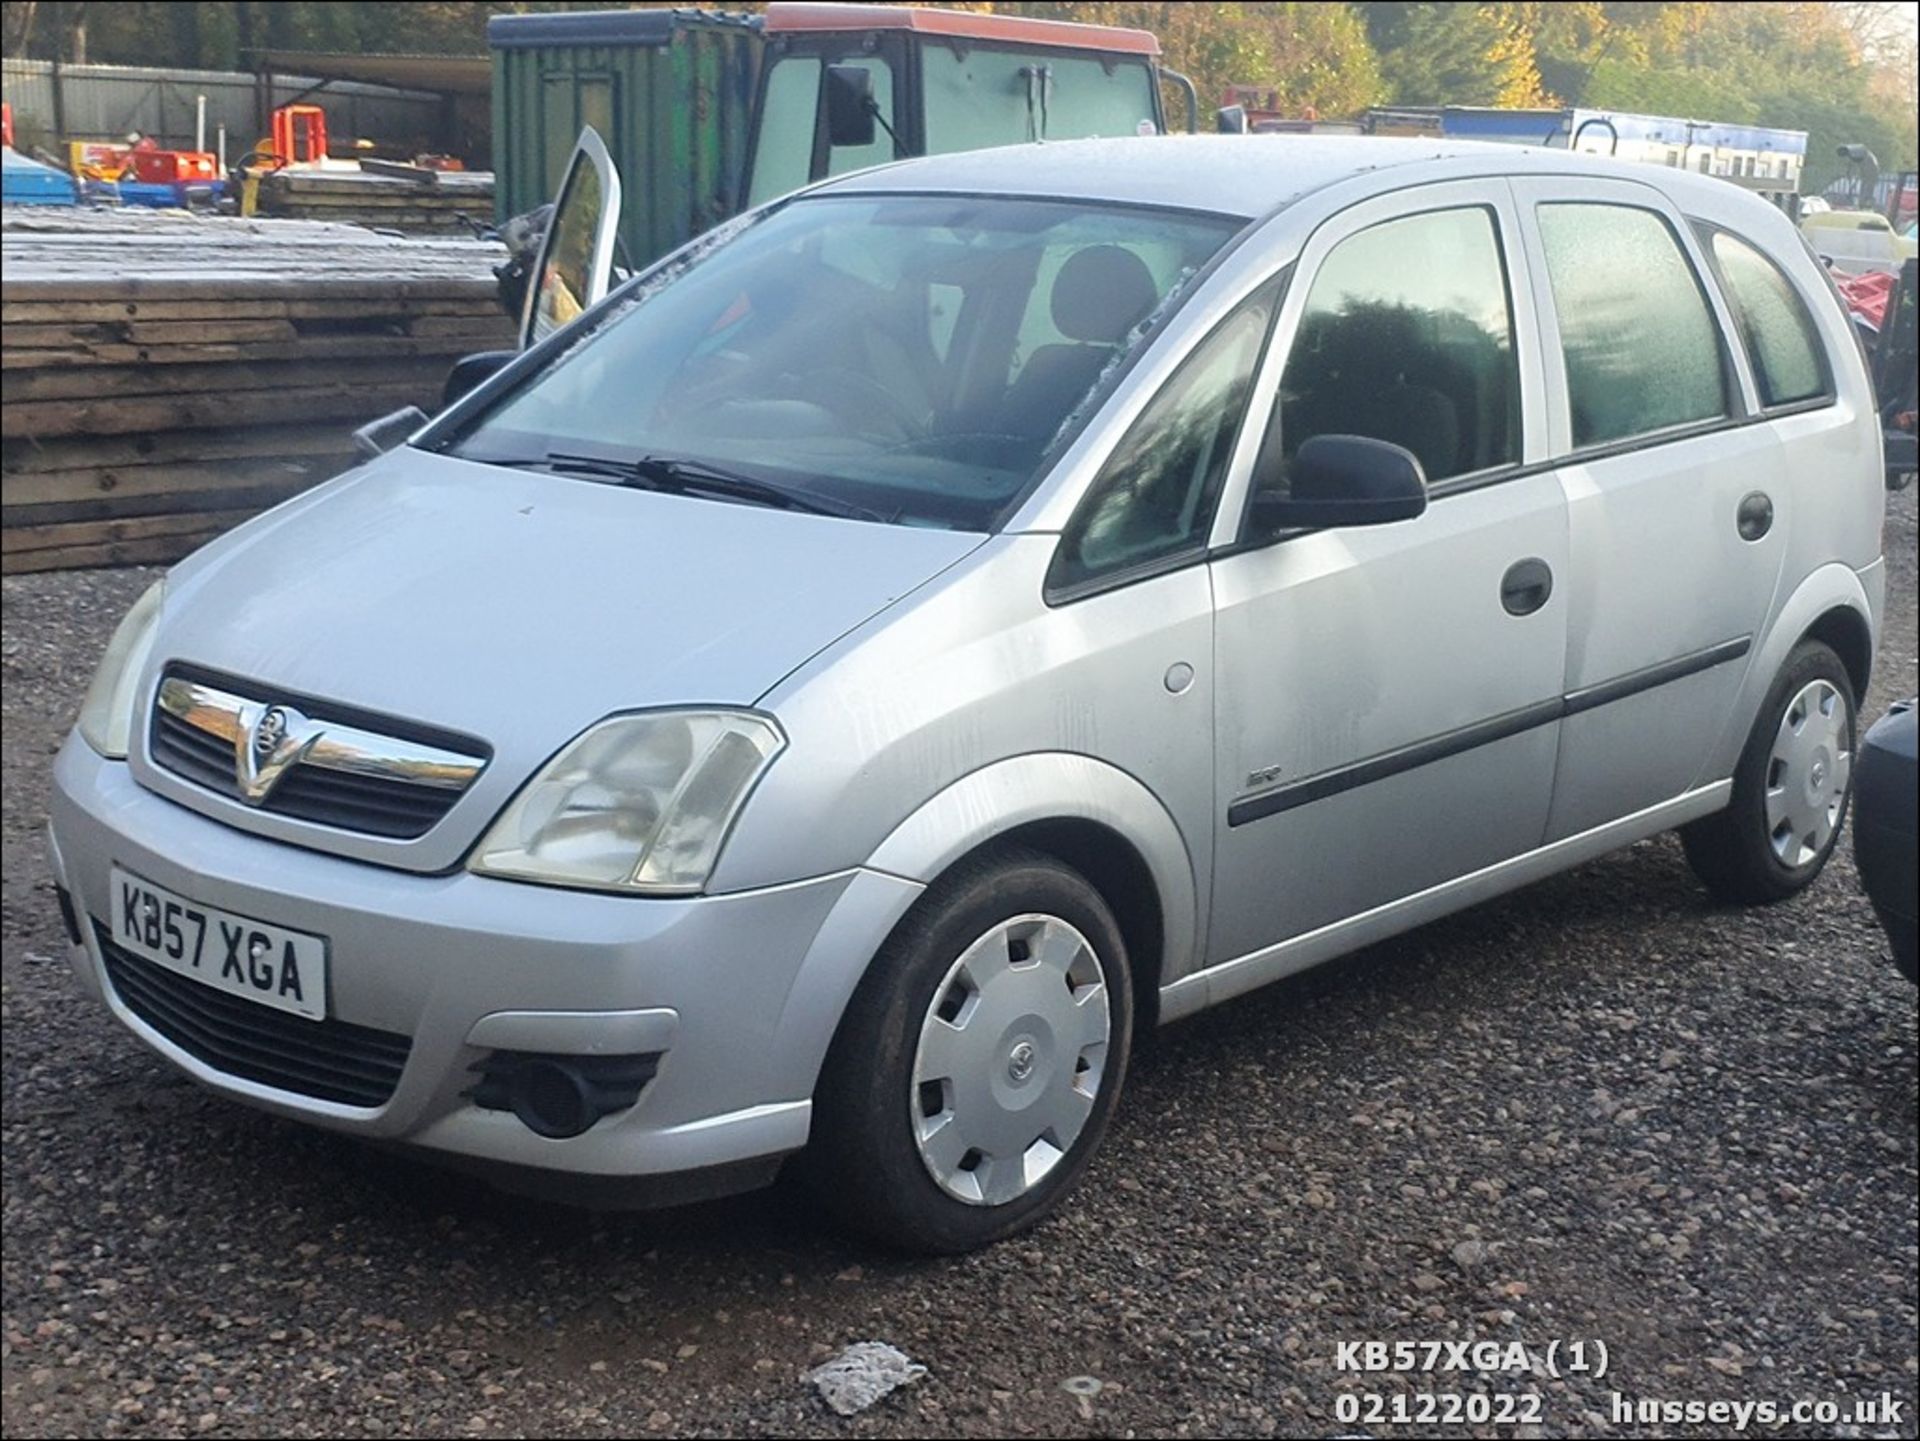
(575, 260)
(1896, 363)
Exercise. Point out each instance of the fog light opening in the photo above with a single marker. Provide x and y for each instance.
(553, 1099)
(560, 1096)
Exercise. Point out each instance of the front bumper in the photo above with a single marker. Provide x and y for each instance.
(741, 992)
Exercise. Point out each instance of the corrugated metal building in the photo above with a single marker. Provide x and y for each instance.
(109, 102)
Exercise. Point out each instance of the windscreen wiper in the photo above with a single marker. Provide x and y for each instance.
(688, 477)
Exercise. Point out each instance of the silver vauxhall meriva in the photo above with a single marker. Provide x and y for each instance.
(831, 697)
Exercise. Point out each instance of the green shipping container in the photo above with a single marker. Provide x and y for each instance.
(670, 91)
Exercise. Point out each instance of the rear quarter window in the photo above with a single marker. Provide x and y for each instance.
(1789, 362)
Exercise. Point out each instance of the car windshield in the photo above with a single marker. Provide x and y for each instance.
(910, 357)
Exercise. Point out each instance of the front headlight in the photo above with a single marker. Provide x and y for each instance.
(106, 715)
(637, 803)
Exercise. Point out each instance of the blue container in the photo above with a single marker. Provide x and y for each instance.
(28, 182)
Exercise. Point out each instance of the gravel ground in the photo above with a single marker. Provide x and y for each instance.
(1602, 1108)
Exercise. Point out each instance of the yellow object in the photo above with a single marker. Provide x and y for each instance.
(249, 192)
(94, 160)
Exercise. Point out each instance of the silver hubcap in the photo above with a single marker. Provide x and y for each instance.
(1808, 774)
(1010, 1059)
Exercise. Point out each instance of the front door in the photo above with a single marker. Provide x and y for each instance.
(1676, 497)
(575, 264)
(1387, 698)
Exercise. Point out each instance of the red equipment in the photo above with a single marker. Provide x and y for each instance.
(1867, 295)
(294, 123)
(153, 166)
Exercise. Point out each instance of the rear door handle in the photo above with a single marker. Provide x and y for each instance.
(1526, 586)
(1755, 515)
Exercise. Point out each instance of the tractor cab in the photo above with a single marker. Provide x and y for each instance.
(706, 113)
(634, 131)
(843, 87)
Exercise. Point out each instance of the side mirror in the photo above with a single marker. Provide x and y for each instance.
(850, 105)
(469, 370)
(1342, 480)
(1231, 120)
(377, 437)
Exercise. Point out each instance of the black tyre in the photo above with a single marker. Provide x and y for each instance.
(980, 1060)
(1906, 946)
(1790, 789)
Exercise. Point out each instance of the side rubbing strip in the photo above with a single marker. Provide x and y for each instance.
(1466, 738)
(1391, 763)
(1668, 671)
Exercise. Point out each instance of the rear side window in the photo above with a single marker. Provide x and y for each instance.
(1642, 348)
(1788, 363)
(1407, 336)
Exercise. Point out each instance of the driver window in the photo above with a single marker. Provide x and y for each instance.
(785, 150)
(1156, 495)
(1407, 337)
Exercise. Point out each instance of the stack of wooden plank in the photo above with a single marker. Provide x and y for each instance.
(165, 376)
(398, 198)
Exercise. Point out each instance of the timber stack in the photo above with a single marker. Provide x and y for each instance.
(396, 197)
(165, 376)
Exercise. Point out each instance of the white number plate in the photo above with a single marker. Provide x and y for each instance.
(237, 954)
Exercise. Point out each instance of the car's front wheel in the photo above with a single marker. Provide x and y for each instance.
(979, 1061)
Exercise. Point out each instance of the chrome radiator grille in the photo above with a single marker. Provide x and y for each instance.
(309, 762)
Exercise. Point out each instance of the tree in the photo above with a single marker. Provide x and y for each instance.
(1315, 57)
(1882, 31)
(1791, 66)
(16, 25)
(1515, 57)
(1439, 54)
(1569, 39)
(63, 27)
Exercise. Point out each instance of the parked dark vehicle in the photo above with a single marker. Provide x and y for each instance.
(1886, 816)
(1896, 374)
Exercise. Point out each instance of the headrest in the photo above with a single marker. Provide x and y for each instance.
(1101, 293)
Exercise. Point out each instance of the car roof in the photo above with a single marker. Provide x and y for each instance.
(1240, 175)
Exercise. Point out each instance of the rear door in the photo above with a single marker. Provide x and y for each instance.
(1388, 696)
(1675, 493)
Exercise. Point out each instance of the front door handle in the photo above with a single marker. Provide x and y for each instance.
(1526, 586)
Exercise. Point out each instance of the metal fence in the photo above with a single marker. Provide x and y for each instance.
(109, 102)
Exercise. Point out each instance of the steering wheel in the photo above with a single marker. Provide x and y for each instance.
(837, 387)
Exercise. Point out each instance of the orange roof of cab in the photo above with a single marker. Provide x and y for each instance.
(789, 16)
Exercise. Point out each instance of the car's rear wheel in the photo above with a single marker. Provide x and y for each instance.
(1790, 790)
(980, 1060)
